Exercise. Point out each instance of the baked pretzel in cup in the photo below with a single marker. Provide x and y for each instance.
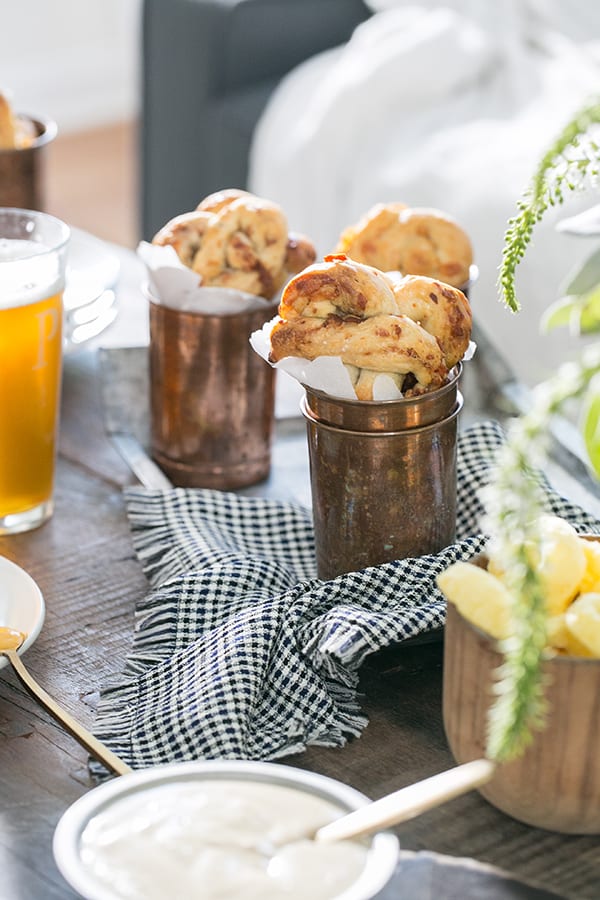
(369, 321)
(16, 132)
(415, 241)
(236, 240)
(442, 310)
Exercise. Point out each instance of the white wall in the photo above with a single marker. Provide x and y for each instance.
(75, 61)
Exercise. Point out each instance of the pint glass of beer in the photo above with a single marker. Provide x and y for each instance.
(33, 250)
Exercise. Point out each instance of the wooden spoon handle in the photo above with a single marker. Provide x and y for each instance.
(409, 802)
(95, 747)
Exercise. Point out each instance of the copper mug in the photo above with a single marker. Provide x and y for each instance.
(211, 397)
(383, 476)
(22, 169)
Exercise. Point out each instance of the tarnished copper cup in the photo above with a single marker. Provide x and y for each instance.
(22, 169)
(380, 495)
(385, 415)
(211, 397)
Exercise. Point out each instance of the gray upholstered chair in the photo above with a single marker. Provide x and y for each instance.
(208, 69)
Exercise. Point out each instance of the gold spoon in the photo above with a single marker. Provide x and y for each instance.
(10, 641)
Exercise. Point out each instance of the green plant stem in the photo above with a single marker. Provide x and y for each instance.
(514, 500)
(569, 163)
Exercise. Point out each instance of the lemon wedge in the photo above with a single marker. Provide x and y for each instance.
(557, 635)
(561, 562)
(582, 620)
(591, 576)
(479, 596)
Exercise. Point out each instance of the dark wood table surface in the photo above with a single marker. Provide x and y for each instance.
(84, 563)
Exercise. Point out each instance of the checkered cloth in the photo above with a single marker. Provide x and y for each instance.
(239, 651)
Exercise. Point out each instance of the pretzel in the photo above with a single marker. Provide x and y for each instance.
(440, 309)
(352, 311)
(338, 286)
(184, 233)
(383, 344)
(217, 201)
(236, 240)
(15, 132)
(7, 125)
(393, 237)
(300, 250)
(244, 247)
(299, 253)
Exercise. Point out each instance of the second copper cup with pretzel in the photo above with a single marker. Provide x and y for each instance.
(212, 397)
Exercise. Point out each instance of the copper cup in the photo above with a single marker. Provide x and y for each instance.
(22, 169)
(211, 397)
(380, 495)
(385, 415)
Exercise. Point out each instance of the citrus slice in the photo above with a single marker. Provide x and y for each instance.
(591, 577)
(479, 596)
(583, 626)
(561, 562)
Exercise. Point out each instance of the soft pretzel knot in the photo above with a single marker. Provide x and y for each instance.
(338, 286)
(237, 240)
(412, 328)
(442, 310)
(417, 241)
(15, 132)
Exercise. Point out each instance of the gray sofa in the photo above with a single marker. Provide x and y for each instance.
(208, 69)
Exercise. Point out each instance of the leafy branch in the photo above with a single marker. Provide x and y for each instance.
(514, 501)
(570, 162)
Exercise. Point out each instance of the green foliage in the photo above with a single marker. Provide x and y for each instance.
(579, 308)
(581, 314)
(514, 501)
(569, 164)
(563, 313)
(590, 426)
(585, 278)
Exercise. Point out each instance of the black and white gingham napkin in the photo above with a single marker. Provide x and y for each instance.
(239, 651)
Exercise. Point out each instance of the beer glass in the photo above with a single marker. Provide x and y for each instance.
(33, 250)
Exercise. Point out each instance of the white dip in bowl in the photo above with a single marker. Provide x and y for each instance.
(218, 831)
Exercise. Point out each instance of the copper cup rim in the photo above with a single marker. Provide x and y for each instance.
(548, 657)
(199, 314)
(419, 429)
(400, 402)
(47, 130)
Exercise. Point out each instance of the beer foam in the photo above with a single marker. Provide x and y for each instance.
(29, 272)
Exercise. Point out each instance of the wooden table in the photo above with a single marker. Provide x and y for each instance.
(85, 566)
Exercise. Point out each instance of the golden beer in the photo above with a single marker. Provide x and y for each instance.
(31, 317)
(30, 354)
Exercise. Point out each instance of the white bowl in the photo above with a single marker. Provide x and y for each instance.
(381, 858)
(21, 604)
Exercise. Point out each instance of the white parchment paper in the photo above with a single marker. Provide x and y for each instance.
(328, 373)
(179, 287)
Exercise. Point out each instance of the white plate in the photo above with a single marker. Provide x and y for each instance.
(91, 269)
(21, 603)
